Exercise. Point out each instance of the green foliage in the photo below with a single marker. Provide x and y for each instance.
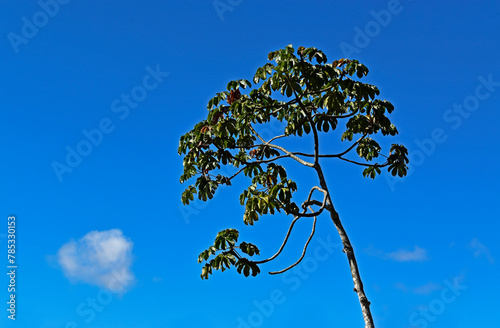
(225, 243)
(320, 97)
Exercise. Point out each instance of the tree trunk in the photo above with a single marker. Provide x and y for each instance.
(358, 284)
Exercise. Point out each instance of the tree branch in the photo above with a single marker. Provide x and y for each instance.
(239, 171)
(316, 140)
(303, 251)
(364, 164)
(339, 155)
(356, 277)
(298, 216)
(336, 116)
(277, 137)
(301, 161)
(308, 117)
(309, 202)
(352, 146)
(282, 245)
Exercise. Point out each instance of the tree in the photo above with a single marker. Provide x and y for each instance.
(312, 97)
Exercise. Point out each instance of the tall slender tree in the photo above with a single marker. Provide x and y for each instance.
(310, 96)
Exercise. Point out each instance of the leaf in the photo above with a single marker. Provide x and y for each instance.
(307, 127)
(246, 270)
(326, 126)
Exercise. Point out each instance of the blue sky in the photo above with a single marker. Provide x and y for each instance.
(121, 81)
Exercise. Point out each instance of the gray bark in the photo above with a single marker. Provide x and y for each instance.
(348, 250)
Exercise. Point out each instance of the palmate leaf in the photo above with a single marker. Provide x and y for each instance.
(225, 246)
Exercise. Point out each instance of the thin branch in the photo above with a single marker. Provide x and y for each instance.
(277, 137)
(316, 141)
(312, 155)
(307, 203)
(268, 160)
(336, 116)
(282, 245)
(303, 214)
(261, 161)
(246, 147)
(308, 117)
(239, 171)
(234, 252)
(363, 164)
(301, 161)
(339, 155)
(293, 101)
(383, 155)
(256, 162)
(284, 104)
(303, 251)
(352, 146)
(328, 207)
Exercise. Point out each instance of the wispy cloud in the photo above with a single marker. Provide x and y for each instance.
(480, 250)
(401, 255)
(425, 289)
(101, 258)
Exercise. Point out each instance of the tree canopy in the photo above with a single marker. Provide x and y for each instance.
(309, 96)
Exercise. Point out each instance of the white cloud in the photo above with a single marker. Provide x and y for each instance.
(402, 255)
(101, 258)
(427, 289)
(480, 250)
